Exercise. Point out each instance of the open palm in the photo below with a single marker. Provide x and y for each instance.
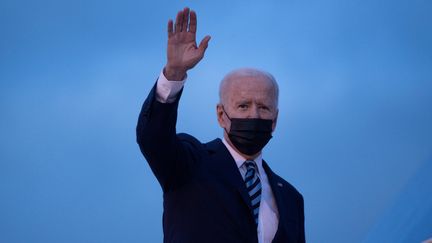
(183, 52)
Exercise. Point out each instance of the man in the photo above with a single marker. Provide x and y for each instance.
(221, 191)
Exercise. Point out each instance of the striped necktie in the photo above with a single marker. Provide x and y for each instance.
(253, 186)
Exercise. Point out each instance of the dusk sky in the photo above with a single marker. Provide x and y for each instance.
(354, 133)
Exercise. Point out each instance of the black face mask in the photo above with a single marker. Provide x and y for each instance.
(249, 135)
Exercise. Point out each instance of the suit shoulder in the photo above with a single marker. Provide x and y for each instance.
(190, 140)
(211, 146)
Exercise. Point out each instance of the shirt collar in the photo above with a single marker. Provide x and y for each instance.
(240, 159)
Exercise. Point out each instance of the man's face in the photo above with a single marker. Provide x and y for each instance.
(248, 97)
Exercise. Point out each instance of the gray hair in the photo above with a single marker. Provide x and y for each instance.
(248, 72)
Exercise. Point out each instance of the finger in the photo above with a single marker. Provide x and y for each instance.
(204, 44)
(178, 23)
(170, 28)
(185, 19)
(193, 22)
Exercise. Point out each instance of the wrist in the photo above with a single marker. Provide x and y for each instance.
(174, 74)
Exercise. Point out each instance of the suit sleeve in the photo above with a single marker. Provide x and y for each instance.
(302, 221)
(170, 157)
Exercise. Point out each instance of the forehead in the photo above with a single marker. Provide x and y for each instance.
(250, 87)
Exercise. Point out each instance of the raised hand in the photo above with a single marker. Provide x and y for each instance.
(183, 52)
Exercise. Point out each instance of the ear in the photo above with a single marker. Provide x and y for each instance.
(220, 115)
(275, 120)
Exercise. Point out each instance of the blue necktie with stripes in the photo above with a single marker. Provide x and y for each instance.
(253, 186)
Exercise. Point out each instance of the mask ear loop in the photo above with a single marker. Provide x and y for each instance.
(229, 118)
(223, 108)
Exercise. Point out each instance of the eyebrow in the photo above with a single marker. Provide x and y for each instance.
(243, 101)
(246, 101)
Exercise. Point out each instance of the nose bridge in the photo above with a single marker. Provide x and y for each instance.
(254, 111)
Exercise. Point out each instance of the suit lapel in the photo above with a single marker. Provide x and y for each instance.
(222, 164)
(277, 188)
(225, 166)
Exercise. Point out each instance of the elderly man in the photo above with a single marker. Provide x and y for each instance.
(221, 191)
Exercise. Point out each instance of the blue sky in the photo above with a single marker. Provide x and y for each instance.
(353, 135)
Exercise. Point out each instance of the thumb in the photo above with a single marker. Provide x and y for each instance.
(204, 43)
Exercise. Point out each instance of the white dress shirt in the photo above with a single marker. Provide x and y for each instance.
(268, 218)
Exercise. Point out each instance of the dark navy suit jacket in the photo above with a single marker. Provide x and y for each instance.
(205, 198)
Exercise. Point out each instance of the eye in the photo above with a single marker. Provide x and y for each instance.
(266, 108)
(243, 106)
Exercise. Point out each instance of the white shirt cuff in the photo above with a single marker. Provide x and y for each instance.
(168, 90)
